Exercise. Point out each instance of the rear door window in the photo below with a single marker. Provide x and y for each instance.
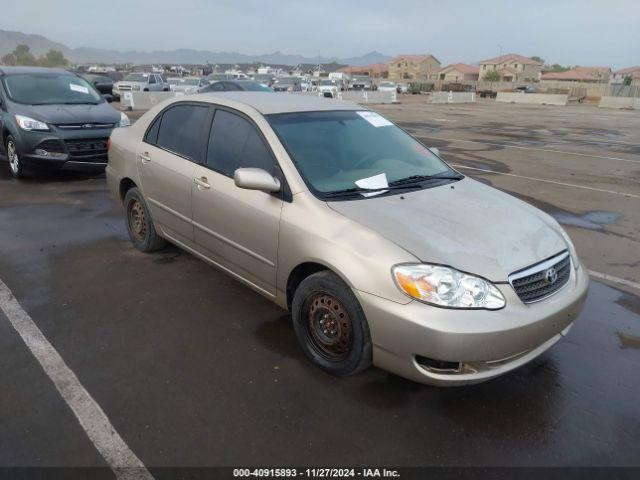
(181, 130)
(235, 143)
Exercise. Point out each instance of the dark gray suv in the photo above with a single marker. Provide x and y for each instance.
(53, 119)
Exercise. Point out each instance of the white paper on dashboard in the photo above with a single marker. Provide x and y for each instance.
(377, 181)
(374, 119)
(78, 88)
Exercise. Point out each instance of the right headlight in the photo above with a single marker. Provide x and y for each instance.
(447, 287)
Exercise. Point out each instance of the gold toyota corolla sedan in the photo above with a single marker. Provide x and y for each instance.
(383, 253)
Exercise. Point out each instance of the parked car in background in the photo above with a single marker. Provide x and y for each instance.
(526, 89)
(141, 82)
(360, 83)
(235, 86)
(286, 84)
(380, 250)
(189, 85)
(328, 88)
(102, 83)
(264, 79)
(402, 88)
(388, 87)
(53, 119)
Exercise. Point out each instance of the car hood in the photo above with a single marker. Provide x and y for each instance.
(466, 225)
(61, 114)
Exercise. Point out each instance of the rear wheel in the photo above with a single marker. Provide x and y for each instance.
(15, 165)
(330, 325)
(142, 233)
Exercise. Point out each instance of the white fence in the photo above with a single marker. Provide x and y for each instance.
(359, 96)
(532, 98)
(452, 97)
(144, 100)
(620, 102)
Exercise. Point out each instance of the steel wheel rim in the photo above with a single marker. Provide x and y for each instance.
(14, 161)
(137, 220)
(329, 327)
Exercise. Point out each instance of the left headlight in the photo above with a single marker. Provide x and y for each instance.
(124, 120)
(27, 123)
(446, 287)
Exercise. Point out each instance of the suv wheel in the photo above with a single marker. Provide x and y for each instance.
(15, 165)
(142, 233)
(330, 325)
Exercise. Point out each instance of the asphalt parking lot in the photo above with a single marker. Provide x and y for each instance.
(194, 369)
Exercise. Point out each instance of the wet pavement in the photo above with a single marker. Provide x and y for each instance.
(194, 369)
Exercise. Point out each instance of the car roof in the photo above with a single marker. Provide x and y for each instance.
(19, 70)
(269, 102)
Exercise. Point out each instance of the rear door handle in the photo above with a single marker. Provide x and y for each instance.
(202, 183)
(145, 157)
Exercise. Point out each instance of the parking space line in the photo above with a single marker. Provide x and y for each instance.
(548, 150)
(122, 461)
(611, 278)
(486, 170)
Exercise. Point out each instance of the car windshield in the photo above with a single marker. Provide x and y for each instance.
(50, 89)
(327, 82)
(136, 77)
(335, 149)
(287, 81)
(387, 84)
(254, 87)
(174, 81)
(191, 81)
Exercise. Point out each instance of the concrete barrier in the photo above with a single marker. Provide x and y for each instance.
(358, 96)
(532, 98)
(452, 97)
(144, 100)
(620, 102)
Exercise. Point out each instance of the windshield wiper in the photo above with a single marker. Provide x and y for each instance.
(417, 178)
(355, 190)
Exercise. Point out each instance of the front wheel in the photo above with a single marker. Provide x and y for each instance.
(330, 325)
(15, 164)
(142, 233)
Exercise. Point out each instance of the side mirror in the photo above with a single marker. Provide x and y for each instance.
(256, 179)
(108, 97)
(435, 150)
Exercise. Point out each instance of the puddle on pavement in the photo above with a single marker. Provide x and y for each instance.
(590, 220)
(628, 341)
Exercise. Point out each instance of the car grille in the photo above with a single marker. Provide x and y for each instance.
(84, 126)
(543, 279)
(88, 150)
(51, 146)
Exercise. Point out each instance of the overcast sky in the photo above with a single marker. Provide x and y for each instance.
(586, 32)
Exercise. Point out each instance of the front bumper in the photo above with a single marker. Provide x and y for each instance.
(76, 150)
(483, 343)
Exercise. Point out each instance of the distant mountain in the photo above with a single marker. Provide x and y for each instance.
(39, 45)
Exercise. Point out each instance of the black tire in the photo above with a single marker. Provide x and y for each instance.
(142, 233)
(345, 350)
(15, 164)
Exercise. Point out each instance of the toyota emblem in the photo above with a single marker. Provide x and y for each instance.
(551, 276)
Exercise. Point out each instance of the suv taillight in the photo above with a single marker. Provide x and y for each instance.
(109, 143)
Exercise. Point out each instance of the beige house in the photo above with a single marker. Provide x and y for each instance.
(512, 68)
(459, 73)
(581, 74)
(375, 70)
(413, 68)
(619, 75)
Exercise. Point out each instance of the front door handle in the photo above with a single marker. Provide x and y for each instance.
(202, 183)
(144, 157)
